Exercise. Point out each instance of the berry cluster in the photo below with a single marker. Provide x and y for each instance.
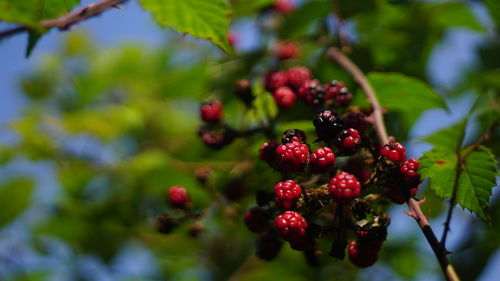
(177, 197)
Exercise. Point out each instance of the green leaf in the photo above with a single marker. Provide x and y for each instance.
(494, 9)
(448, 139)
(453, 14)
(405, 95)
(31, 13)
(477, 177)
(297, 24)
(247, 7)
(200, 18)
(15, 196)
(33, 37)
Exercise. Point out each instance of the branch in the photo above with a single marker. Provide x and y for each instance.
(66, 21)
(414, 206)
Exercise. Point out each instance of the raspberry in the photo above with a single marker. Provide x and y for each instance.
(178, 196)
(284, 6)
(356, 121)
(243, 90)
(286, 50)
(409, 173)
(322, 160)
(274, 80)
(344, 187)
(284, 97)
(233, 38)
(394, 151)
(312, 92)
(255, 219)
(398, 195)
(293, 135)
(287, 194)
(292, 157)
(328, 125)
(211, 111)
(268, 247)
(363, 254)
(291, 225)
(165, 224)
(349, 139)
(267, 151)
(297, 76)
(216, 138)
(338, 93)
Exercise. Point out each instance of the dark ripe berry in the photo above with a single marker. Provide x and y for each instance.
(344, 187)
(328, 125)
(322, 160)
(178, 196)
(165, 224)
(312, 92)
(255, 219)
(400, 195)
(274, 80)
(409, 172)
(267, 151)
(287, 194)
(211, 111)
(233, 38)
(216, 137)
(356, 121)
(268, 247)
(349, 139)
(337, 93)
(292, 157)
(293, 135)
(394, 151)
(291, 225)
(363, 254)
(243, 89)
(284, 6)
(297, 76)
(285, 50)
(284, 97)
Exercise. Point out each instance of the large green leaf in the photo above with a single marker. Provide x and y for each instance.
(31, 12)
(477, 176)
(247, 7)
(494, 9)
(15, 196)
(405, 95)
(453, 14)
(448, 139)
(200, 18)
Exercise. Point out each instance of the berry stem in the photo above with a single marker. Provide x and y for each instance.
(439, 250)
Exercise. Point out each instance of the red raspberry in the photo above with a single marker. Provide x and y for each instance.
(311, 92)
(349, 139)
(398, 196)
(293, 135)
(394, 151)
(338, 93)
(211, 111)
(297, 76)
(344, 187)
(274, 80)
(363, 254)
(291, 225)
(286, 50)
(255, 219)
(268, 247)
(284, 97)
(287, 194)
(292, 157)
(322, 160)
(178, 196)
(267, 152)
(409, 172)
(233, 38)
(284, 6)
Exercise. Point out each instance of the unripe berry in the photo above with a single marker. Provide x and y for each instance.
(349, 139)
(312, 92)
(274, 80)
(322, 160)
(284, 6)
(400, 195)
(409, 172)
(287, 194)
(284, 50)
(243, 89)
(337, 93)
(293, 135)
(233, 38)
(297, 76)
(211, 111)
(284, 97)
(292, 157)
(255, 219)
(344, 187)
(394, 151)
(291, 225)
(178, 196)
(267, 151)
(362, 254)
(216, 137)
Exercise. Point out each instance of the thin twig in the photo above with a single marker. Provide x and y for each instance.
(67, 20)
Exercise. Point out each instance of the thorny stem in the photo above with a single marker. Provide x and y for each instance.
(414, 206)
(66, 21)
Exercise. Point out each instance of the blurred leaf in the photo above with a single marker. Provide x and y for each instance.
(247, 7)
(15, 197)
(453, 14)
(30, 13)
(200, 18)
(297, 24)
(494, 10)
(33, 37)
(348, 8)
(476, 180)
